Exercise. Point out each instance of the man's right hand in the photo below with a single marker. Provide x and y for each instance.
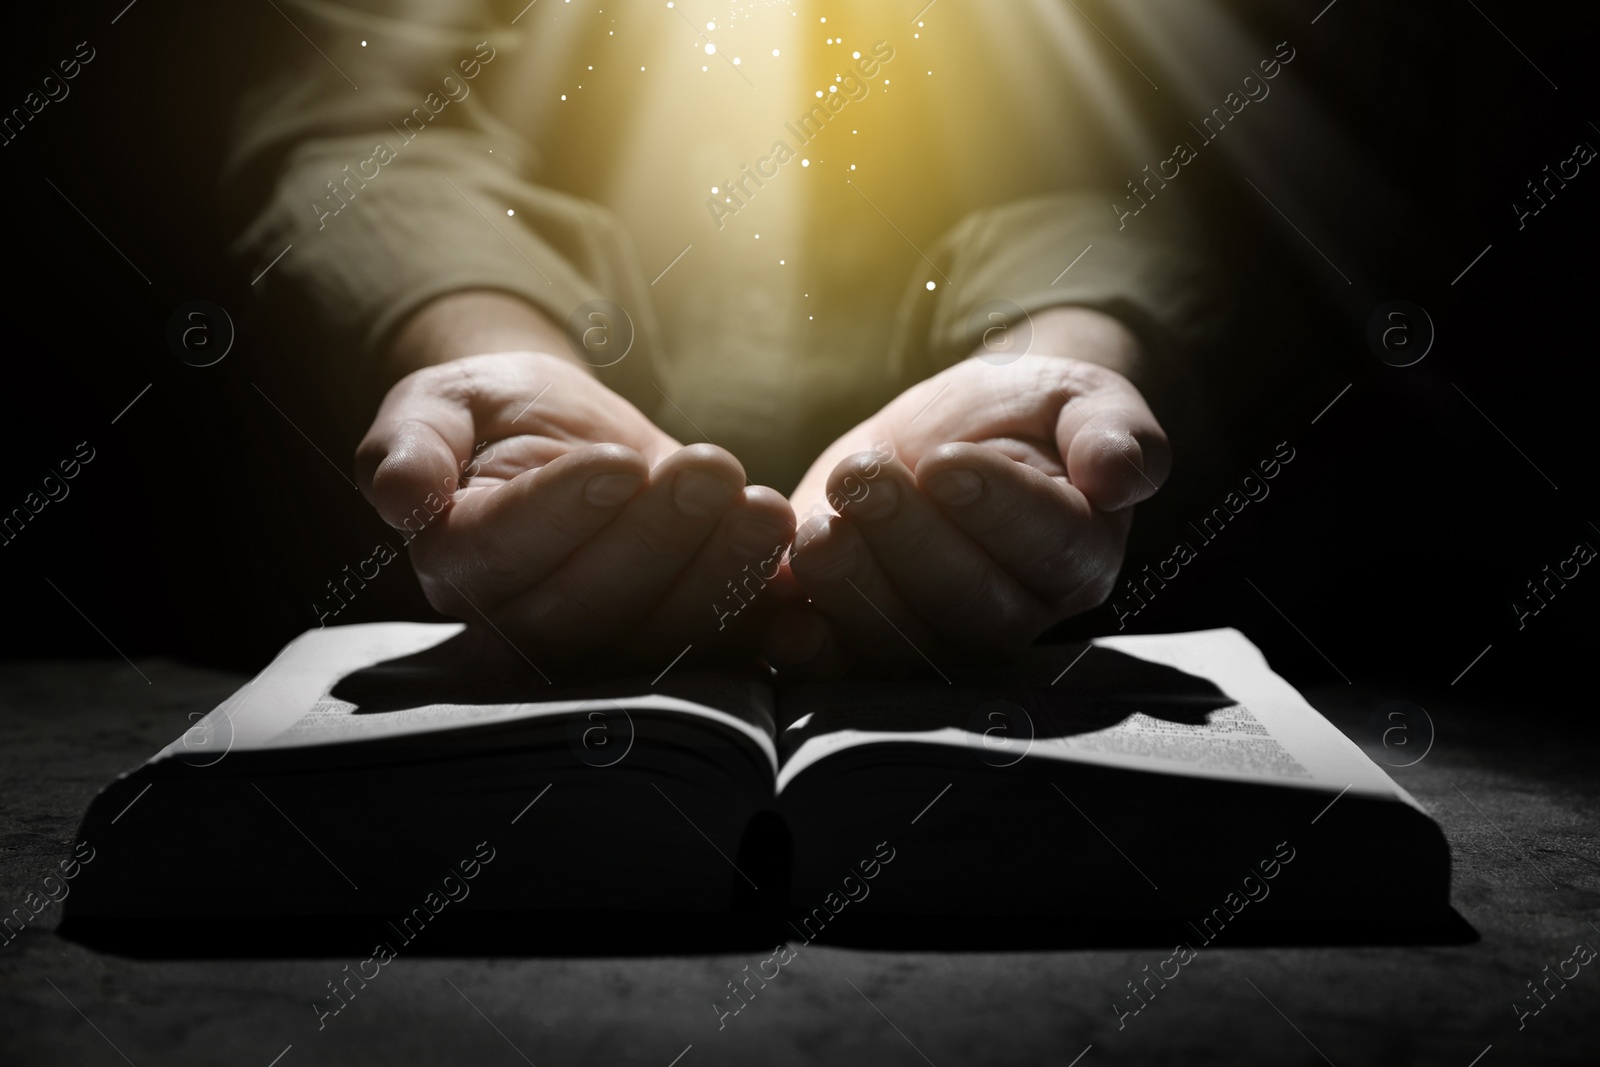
(555, 512)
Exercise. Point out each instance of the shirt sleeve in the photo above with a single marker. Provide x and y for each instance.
(375, 179)
(1064, 250)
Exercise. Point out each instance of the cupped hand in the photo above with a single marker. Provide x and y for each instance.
(541, 504)
(974, 511)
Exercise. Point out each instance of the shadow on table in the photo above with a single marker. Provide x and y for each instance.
(616, 935)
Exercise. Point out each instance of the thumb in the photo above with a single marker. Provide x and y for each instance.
(1115, 451)
(416, 447)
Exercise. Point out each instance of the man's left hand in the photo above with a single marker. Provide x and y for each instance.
(978, 508)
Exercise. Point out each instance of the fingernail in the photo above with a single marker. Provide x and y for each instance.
(755, 539)
(832, 561)
(609, 490)
(808, 636)
(795, 640)
(956, 486)
(1123, 475)
(809, 531)
(699, 494)
(1120, 440)
(877, 502)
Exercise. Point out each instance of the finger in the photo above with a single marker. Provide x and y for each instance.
(942, 574)
(612, 582)
(1115, 450)
(725, 593)
(1040, 529)
(836, 567)
(424, 436)
(800, 641)
(497, 541)
(415, 447)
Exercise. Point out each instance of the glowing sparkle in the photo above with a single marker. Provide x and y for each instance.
(852, 166)
(510, 211)
(774, 52)
(363, 44)
(711, 25)
(715, 190)
(932, 286)
(855, 55)
(563, 96)
(805, 162)
(711, 50)
(833, 88)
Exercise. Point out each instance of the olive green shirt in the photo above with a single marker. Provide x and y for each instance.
(880, 183)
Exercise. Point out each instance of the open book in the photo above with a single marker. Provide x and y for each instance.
(385, 768)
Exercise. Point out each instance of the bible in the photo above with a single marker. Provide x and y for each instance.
(412, 769)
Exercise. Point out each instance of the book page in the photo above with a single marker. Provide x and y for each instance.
(1232, 739)
(1203, 704)
(376, 681)
(1270, 717)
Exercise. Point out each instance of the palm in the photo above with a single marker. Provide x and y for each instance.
(574, 525)
(972, 512)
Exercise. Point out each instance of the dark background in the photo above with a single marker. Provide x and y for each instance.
(1395, 541)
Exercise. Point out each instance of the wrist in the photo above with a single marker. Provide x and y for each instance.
(1091, 336)
(469, 323)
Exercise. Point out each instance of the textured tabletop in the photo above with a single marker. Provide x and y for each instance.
(1516, 798)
